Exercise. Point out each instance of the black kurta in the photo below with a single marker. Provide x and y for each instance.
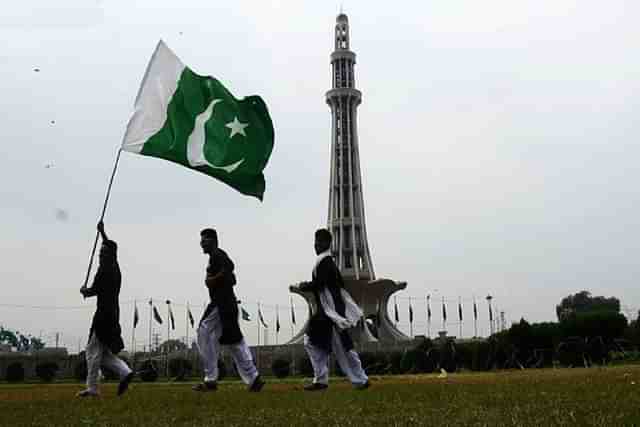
(321, 327)
(223, 297)
(106, 320)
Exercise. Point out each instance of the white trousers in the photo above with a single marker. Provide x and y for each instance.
(209, 332)
(349, 361)
(99, 355)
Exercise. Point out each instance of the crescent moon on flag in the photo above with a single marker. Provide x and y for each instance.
(195, 143)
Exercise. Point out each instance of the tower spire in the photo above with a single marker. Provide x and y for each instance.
(346, 218)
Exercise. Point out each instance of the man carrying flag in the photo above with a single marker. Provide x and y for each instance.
(219, 324)
(336, 312)
(105, 337)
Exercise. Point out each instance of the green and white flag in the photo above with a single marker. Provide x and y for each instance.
(195, 121)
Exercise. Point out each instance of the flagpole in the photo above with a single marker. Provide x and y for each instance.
(428, 316)
(460, 314)
(444, 320)
(258, 320)
(277, 324)
(410, 319)
(475, 318)
(291, 304)
(166, 350)
(186, 327)
(150, 322)
(133, 330)
(104, 209)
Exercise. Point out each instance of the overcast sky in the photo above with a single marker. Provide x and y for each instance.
(499, 148)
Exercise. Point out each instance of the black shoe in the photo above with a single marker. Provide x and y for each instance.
(256, 385)
(124, 383)
(205, 386)
(315, 387)
(362, 386)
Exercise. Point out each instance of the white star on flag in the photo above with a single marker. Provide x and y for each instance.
(237, 127)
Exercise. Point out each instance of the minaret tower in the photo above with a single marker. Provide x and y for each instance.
(346, 204)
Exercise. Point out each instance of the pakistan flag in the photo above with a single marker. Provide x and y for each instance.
(195, 121)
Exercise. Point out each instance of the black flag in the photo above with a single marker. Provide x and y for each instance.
(444, 312)
(395, 308)
(460, 311)
(173, 321)
(410, 314)
(277, 322)
(136, 317)
(475, 311)
(190, 317)
(156, 315)
(293, 315)
(261, 318)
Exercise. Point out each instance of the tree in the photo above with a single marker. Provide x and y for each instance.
(583, 302)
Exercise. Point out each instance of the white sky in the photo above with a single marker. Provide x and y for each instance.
(499, 146)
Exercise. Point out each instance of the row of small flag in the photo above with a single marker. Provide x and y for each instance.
(243, 313)
(444, 311)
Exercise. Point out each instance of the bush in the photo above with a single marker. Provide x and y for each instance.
(46, 371)
(481, 359)
(395, 363)
(148, 371)
(180, 368)
(415, 361)
(281, 368)
(80, 368)
(15, 372)
(571, 352)
(374, 363)
(304, 366)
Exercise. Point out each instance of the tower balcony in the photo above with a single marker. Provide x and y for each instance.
(343, 54)
(344, 92)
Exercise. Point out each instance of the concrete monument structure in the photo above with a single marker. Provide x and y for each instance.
(346, 218)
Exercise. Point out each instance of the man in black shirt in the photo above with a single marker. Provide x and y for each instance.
(219, 324)
(327, 330)
(105, 340)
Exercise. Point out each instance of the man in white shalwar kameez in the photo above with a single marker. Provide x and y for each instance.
(336, 313)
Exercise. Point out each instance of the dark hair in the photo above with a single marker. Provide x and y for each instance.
(111, 245)
(323, 235)
(209, 233)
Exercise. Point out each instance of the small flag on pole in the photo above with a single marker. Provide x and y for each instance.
(475, 310)
(395, 309)
(245, 315)
(156, 315)
(190, 317)
(428, 309)
(293, 315)
(410, 313)
(444, 312)
(460, 311)
(195, 121)
(490, 315)
(261, 318)
(171, 318)
(136, 316)
(277, 321)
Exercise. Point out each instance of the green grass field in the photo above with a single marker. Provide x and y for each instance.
(598, 396)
